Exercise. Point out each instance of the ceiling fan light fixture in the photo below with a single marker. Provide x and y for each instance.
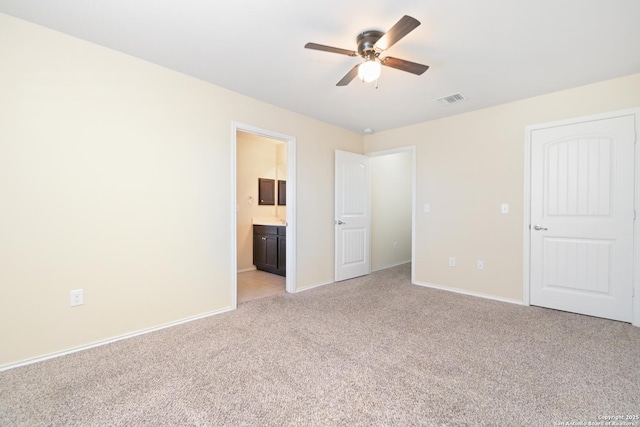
(371, 44)
(369, 71)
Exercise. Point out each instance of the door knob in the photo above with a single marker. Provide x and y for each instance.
(340, 222)
(539, 228)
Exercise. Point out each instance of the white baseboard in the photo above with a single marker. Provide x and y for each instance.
(392, 265)
(314, 286)
(244, 270)
(469, 293)
(329, 283)
(111, 340)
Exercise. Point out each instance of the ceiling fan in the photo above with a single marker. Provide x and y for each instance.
(371, 44)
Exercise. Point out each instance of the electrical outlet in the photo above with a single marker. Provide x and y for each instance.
(76, 297)
(480, 265)
(452, 261)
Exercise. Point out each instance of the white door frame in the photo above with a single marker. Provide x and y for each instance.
(291, 205)
(527, 203)
(412, 151)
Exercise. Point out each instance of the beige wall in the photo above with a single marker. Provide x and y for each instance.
(467, 166)
(281, 162)
(281, 175)
(115, 178)
(391, 182)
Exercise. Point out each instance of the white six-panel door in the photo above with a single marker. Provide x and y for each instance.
(582, 217)
(352, 215)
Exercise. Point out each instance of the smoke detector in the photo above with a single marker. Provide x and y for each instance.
(450, 99)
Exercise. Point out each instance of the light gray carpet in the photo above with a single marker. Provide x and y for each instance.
(369, 351)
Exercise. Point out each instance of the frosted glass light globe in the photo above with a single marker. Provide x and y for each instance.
(369, 71)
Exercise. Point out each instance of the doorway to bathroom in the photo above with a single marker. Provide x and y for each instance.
(264, 213)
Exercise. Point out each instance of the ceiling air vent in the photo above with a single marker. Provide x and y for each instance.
(451, 99)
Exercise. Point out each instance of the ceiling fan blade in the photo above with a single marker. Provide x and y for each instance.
(401, 64)
(331, 49)
(349, 76)
(404, 26)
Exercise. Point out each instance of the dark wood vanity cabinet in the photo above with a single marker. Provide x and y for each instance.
(270, 248)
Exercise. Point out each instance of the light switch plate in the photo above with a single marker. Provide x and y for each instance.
(504, 208)
(427, 208)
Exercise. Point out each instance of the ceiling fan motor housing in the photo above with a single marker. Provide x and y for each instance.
(366, 41)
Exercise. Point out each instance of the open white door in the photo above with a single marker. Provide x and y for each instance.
(582, 217)
(352, 215)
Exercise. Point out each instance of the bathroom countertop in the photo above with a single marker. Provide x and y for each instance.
(268, 221)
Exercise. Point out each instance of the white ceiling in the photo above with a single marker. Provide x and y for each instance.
(491, 51)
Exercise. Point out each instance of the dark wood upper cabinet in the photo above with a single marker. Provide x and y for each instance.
(282, 193)
(266, 191)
